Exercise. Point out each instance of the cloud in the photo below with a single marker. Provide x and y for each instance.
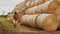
(4, 9)
(8, 5)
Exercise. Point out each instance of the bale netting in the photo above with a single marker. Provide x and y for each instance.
(47, 22)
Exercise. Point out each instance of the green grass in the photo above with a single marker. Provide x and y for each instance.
(6, 23)
(19, 27)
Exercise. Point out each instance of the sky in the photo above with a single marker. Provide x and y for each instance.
(8, 5)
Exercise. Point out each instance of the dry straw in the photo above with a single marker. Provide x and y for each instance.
(47, 22)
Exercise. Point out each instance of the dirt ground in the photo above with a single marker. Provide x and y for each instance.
(8, 28)
(25, 30)
(29, 30)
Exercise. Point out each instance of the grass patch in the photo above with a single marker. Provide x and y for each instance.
(4, 22)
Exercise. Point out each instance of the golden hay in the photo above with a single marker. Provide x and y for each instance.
(48, 22)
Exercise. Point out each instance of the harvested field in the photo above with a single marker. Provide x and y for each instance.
(8, 28)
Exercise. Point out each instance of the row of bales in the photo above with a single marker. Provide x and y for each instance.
(43, 14)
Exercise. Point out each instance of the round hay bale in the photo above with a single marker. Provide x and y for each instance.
(58, 17)
(47, 7)
(57, 2)
(43, 8)
(29, 20)
(32, 11)
(54, 8)
(47, 22)
(23, 19)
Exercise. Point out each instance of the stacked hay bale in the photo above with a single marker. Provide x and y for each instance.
(43, 8)
(35, 8)
(28, 4)
(23, 5)
(20, 8)
(47, 22)
(47, 7)
(33, 3)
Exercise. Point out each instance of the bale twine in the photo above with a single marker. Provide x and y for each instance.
(47, 22)
(29, 20)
